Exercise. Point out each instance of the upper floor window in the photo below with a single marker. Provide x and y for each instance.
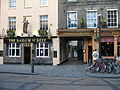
(27, 3)
(12, 3)
(42, 50)
(44, 22)
(43, 2)
(91, 19)
(91, 0)
(72, 0)
(14, 50)
(72, 19)
(112, 18)
(12, 23)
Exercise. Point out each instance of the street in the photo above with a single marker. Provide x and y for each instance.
(39, 82)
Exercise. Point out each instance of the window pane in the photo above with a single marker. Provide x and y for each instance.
(91, 19)
(12, 23)
(46, 45)
(46, 52)
(12, 3)
(43, 49)
(17, 45)
(17, 52)
(43, 2)
(44, 22)
(112, 18)
(14, 49)
(107, 49)
(13, 52)
(72, 19)
(38, 52)
(41, 44)
(13, 45)
(41, 52)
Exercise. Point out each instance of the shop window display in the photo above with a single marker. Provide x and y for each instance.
(107, 49)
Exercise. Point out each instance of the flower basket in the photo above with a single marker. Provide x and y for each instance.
(42, 32)
(103, 22)
(96, 37)
(82, 23)
(10, 33)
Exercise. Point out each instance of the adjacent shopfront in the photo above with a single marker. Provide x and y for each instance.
(80, 44)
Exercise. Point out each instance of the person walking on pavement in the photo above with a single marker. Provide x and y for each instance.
(95, 55)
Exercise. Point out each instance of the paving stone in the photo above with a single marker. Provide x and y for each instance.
(59, 71)
(92, 81)
(70, 87)
(10, 85)
(54, 82)
(30, 87)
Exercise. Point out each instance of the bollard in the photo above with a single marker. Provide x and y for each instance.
(32, 66)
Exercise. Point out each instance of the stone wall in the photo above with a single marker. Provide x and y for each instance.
(81, 6)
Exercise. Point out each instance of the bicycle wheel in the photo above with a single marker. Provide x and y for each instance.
(109, 69)
(103, 69)
(116, 69)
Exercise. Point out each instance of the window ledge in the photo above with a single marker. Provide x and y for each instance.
(14, 56)
(27, 7)
(12, 8)
(43, 6)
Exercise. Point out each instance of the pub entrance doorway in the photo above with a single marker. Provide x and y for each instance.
(27, 55)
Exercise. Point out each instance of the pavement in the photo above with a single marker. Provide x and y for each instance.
(38, 82)
(49, 70)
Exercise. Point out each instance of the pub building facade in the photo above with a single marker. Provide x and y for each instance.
(59, 30)
(86, 25)
(29, 31)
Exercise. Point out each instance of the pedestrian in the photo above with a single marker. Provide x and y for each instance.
(95, 55)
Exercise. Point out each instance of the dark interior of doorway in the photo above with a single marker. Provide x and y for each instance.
(27, 55)
(90, 55)
(75, 52)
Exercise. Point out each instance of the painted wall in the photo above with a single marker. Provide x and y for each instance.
(32, 10)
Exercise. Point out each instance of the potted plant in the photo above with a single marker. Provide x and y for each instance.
(103, 22)
(42, 32)
(82, 23)
(10, 33)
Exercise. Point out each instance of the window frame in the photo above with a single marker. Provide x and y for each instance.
(11, 47)
(25, 5)
(41, 3)
(95, 19)
(43, 21)
(12, 2)
(116, 18)
(72, 20)
(43, 48)
(11, 21)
